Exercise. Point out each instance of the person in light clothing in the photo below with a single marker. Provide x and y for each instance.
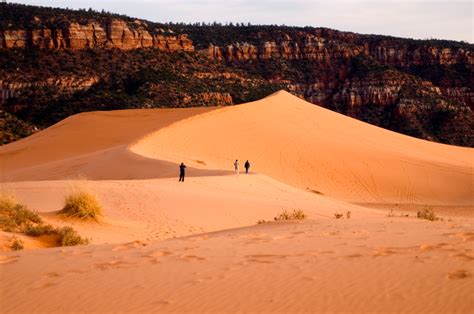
(236, 166)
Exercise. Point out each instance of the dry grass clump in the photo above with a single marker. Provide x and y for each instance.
(427, 213)
(296, 214)
(17, 244)
(69, 237)
(82, 205)
(15, 216)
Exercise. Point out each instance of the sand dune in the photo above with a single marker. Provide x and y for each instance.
(313, 148)
(303, 157)
(284, 137)
(94, 139)
(150, 210)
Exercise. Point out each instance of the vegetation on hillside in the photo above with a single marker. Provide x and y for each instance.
(17, 218)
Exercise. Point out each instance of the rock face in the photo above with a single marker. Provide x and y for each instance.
(112, 33)
(333, 52)
(313, 47)
(65, 84)
(13, 38)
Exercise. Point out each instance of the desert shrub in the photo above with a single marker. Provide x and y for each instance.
(14, 216)
(296, 214)
(338, 216)
(17, 244)
(261, 221)
(39, 230)
(427, 213)
(69, 237)
(348, 215)
(82, 205)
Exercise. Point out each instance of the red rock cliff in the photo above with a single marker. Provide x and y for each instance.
(113, 33)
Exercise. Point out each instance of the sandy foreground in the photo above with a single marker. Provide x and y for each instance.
(165, 246)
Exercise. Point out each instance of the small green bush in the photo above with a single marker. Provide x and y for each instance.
(17, 244)
(69, 237)
(427, 213)
(82, 205)
(14, 216)
(39, 230)
(296, 214)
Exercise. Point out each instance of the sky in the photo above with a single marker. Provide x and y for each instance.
(420, 19)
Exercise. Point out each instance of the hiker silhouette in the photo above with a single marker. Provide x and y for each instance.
(182, 170)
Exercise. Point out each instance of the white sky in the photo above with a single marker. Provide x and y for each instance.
(441, 19)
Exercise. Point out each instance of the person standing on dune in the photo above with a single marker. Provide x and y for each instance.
(182, 170)
(247, 166)
(236, 166)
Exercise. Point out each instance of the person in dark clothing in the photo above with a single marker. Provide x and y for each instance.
(247, 166)
(182, 168)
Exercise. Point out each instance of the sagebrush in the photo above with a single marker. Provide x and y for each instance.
(17, 244)
(15, 216)
(427, 213)
(296, 214)
(69, 237)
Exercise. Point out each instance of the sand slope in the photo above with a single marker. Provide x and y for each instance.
(150, 210)
(385, 265)
(91, 144)
(313, 148)
(303, 157)
(283, 136)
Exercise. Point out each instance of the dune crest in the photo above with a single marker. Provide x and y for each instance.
(313, 148)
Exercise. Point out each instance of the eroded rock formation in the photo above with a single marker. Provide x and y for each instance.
(112, 33)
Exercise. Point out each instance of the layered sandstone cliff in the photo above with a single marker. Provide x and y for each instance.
(112, 33)
(65, 84)
(313, 47)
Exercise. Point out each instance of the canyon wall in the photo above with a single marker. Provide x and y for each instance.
(112, 33)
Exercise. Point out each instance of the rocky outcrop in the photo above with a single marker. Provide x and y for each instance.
(312, 47)
(403, 55)
(462, 94)
(113, 33)
(64, 84)
(307, 47)
(13, 38)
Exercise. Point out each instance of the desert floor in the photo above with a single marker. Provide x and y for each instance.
(165, 246)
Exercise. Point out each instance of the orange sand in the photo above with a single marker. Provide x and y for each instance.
(302, 156)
